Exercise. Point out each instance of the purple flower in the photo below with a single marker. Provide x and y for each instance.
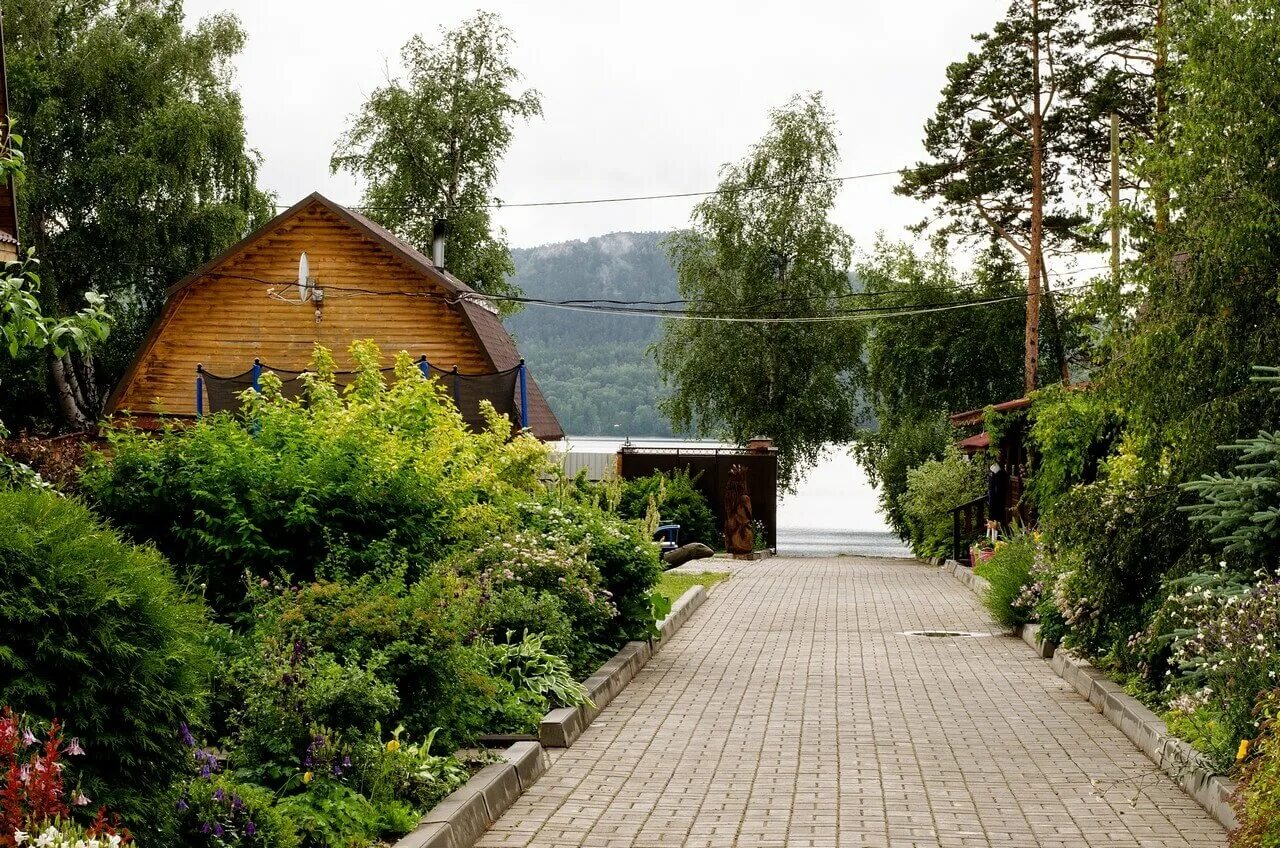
(217, 830)
(205, 772)
(184, 733)
(250, 829)
(28, 738)
(206, 827)
(183, 805)
(346, 762)
(218, 794)
(236, 803)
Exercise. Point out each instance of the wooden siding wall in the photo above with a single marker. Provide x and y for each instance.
(224, 323)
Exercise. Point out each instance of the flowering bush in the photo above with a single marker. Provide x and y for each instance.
(34, 802)
(1223, 638)
(1257, 797)
(217, 811)
(545, 564)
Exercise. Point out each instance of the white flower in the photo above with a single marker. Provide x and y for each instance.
(20, 836)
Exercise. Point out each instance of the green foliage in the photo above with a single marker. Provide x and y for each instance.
(1008, 574)
(428, 147)
(98, 635)
(1241, 510)
(678, 501)
(217, 811)
(934, 488)
(765, 246)
(980, 138)
(272, 490)
(543, 567)
(1071, 432)
(333, 815)
(527, 666)
(625, 557)
(401, 770)
(137, 168)
(1113, 542)
(412, 638)
(923, 368)
(1257, 798)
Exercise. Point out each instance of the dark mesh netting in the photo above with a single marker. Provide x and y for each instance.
(467, 390)
(222, 394)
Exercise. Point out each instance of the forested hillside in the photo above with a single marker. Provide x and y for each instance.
(593, 367)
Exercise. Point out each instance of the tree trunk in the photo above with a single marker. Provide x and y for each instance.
(66, 392)
(1160, 188)
(1036, 259)
(1059, 346)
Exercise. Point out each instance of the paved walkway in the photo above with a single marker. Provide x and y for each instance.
(792, 711)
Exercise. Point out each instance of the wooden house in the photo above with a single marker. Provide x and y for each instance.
(363, 283)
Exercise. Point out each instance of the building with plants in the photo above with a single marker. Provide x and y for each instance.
(322, 274)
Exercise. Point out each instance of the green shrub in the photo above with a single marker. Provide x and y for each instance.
(546, 562)
(218, 811)
(97, 634)
(273, 490)
(1256, 801)
(626, 558)
(1008, 576)
(934, 488)
(678, 501)
(1113, 542)
(520, 609)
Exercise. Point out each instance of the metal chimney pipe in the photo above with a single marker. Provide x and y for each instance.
(437, 243)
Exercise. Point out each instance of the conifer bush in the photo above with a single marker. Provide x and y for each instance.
(98, 634)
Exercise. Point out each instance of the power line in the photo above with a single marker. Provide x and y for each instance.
(496, 204)
(643, 309)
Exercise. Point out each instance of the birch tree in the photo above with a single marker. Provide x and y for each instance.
(764, 246)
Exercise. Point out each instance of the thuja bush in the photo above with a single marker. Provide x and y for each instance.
(97, 633)
(269, 489)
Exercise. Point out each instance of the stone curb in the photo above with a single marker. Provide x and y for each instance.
(561, 727)
(1142, 727)
(460, 819)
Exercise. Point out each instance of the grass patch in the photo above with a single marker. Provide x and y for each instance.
(673, 584)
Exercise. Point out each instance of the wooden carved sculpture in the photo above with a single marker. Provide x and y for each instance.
(739, 537)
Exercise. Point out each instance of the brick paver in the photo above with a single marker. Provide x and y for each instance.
(792, 711)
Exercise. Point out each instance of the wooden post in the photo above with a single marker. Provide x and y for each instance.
(1115, 197)
(1031, 362)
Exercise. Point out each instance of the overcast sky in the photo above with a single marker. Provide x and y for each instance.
(638, 98)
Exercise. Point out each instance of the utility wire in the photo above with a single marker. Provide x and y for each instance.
(739, 315)
(496, 204)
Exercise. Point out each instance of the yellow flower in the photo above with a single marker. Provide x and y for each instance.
(306, 778)
(1243, 750)
(393, 745)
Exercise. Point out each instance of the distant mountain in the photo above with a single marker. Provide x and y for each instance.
(592, 367)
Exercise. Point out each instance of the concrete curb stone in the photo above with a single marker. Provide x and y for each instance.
(463, 816)
(1143, 727)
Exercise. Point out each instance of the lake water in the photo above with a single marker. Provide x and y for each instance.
(834, 510)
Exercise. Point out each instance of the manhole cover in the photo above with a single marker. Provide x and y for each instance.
(943, 634)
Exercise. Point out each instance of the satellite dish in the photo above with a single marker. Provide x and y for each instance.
(304, 279)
